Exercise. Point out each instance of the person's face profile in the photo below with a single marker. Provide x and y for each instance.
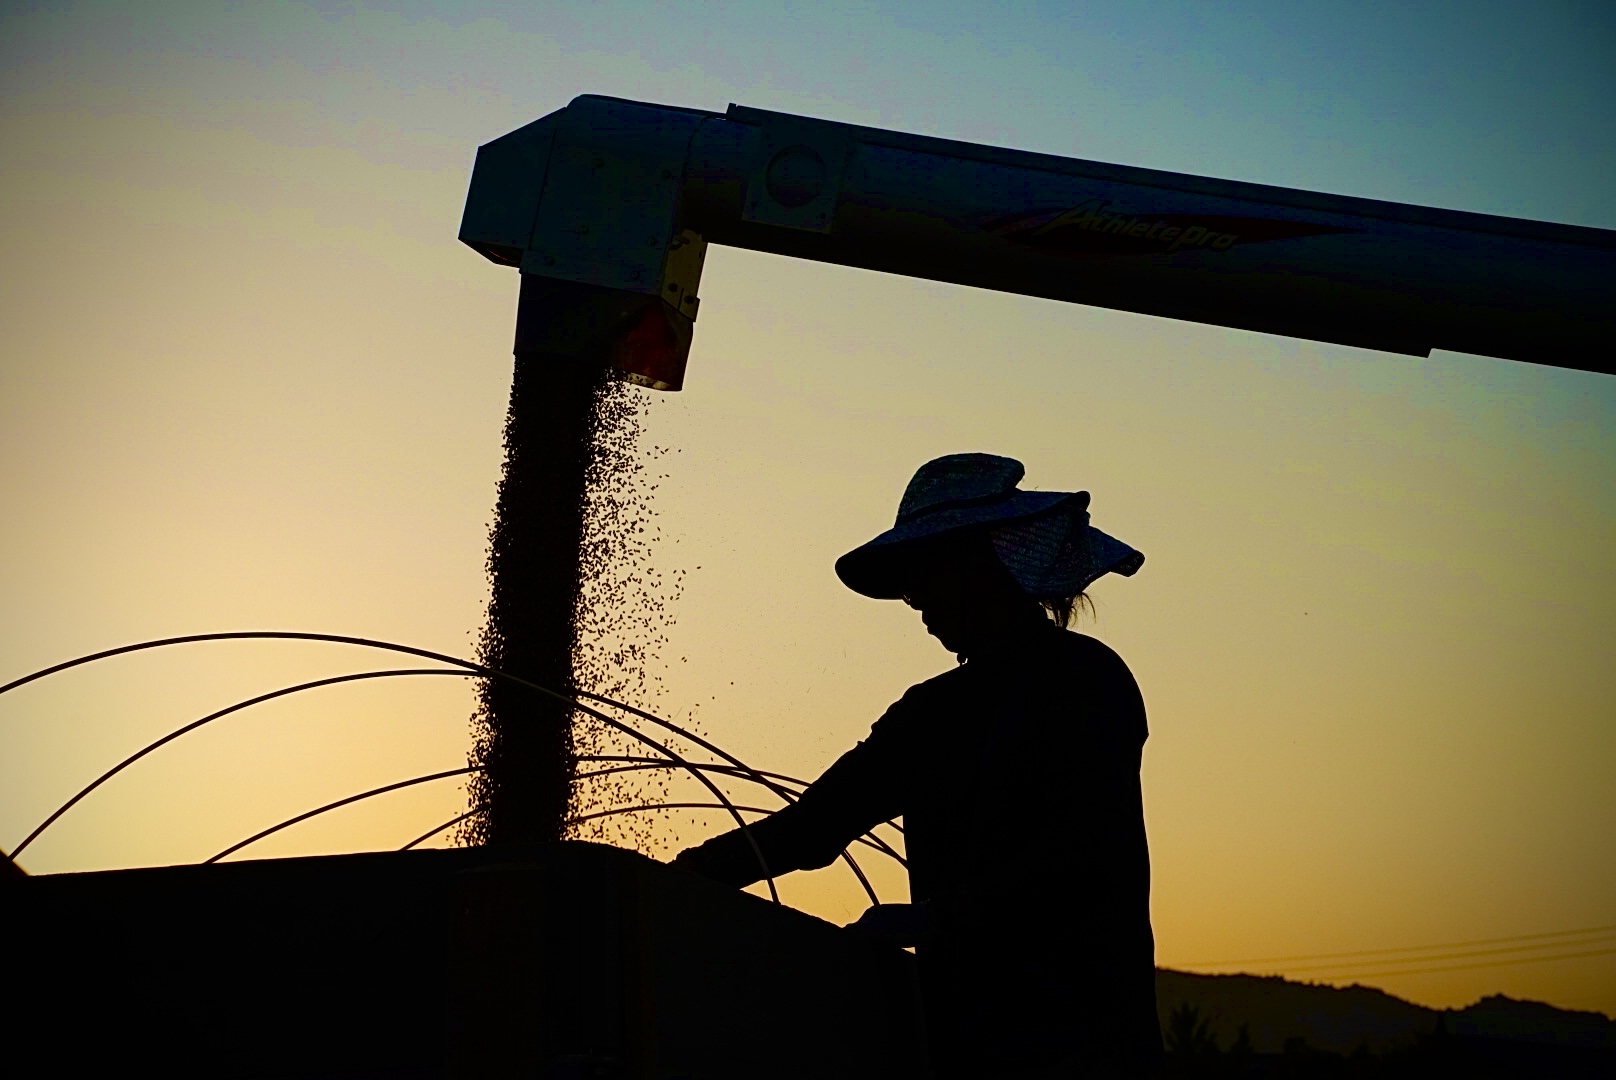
(937, 584)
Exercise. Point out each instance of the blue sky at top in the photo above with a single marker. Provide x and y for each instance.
(1496, 107)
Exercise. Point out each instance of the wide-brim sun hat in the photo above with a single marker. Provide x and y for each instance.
(1043, 537)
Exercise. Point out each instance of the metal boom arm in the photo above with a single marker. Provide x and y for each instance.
(624, 197)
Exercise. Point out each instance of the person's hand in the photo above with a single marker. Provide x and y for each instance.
(692, 861)
(902, 925)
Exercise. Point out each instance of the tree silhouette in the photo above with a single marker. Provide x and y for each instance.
(1240, 1051)
(1189, 1034)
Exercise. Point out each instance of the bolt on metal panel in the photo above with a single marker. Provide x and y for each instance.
(796, 179)
(611, 195)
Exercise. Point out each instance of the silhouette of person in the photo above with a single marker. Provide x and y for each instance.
(1017, 778)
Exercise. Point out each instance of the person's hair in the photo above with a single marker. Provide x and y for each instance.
(1062, 608)
(976, 543)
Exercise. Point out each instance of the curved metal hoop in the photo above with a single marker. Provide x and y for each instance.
(846, 855)
(704, 744)
(384, 789)
(869, 839)
(410, 650)
(868, 890)
(208, 719)
(666, 806)
(635, 764)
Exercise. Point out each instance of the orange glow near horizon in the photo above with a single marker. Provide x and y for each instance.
(250, 380)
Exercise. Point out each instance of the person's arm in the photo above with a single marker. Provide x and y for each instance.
(1077, 847)
(860, 790)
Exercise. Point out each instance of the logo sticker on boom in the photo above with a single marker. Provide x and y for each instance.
(1093, 228)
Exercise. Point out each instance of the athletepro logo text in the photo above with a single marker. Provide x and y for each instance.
(1095, 228)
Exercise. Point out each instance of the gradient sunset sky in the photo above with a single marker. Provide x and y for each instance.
(250, 380)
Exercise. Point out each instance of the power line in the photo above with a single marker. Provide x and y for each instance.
(1466, 967)
(1406, 948)
(1425, 958)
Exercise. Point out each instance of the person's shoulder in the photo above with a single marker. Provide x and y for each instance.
(940, 685)
(922, 698)
(1089, 651)
(1106, 678)
(1095, 663)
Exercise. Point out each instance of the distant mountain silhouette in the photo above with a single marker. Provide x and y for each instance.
(1281, 1015)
